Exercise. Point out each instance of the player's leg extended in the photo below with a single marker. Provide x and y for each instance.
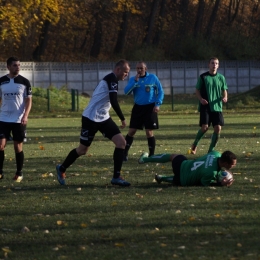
(204, 124)
(2, 156)
(19, 158)
(200, 134)
(118, 157)
(129, 140)
(150, 141)
(161, 158)
(214, 138)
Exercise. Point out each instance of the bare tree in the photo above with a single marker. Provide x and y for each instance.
(151, 22)
(159, 28)
(199, 18)
(212, 20)
(122, 33)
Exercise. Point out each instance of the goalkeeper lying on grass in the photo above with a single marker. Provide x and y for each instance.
(207, 170)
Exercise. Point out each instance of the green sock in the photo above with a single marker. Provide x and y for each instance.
(198, 137)
(214, 140)
(162, 158)
(167, 178)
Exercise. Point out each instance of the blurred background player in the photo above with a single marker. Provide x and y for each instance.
(211, 90)
(203, 171)
(148, 97)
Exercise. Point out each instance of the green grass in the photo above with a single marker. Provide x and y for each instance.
(90, 219)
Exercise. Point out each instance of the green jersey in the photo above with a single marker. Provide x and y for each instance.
(211, 88)
(201, 171)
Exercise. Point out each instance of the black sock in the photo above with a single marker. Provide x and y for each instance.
(129, 140)
(151, 145)
(70, 159)
(2, 158)
(118, 161)
(19, 162)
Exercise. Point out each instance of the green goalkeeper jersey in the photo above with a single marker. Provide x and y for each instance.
(201, 171)
(211, 88)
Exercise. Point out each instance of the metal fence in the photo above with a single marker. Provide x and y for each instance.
(181, 76)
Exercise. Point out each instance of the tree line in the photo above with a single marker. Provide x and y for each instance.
(99, 30)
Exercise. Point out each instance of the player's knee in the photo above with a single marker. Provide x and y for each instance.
(131, 132)
(217, 129)
(82, 150)
(121, 143)
(204, 129)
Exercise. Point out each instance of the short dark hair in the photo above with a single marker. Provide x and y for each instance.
(213, 58)
(228, 157)
(121, 63)
(10, 60)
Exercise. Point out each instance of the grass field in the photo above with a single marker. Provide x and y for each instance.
(91, 219)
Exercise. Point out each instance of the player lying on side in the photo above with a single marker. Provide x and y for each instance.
(207, 170)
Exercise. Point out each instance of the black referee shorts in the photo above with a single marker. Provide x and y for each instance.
(143, 117)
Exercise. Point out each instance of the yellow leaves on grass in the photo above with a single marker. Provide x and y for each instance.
(41, 147)
(140, 196)
(119, 244)
(210, 199)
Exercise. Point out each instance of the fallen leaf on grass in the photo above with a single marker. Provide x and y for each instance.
(119, 244)
(140, 196)
(181, 247)
(204, 243)
(83, 225)
(239, 244)
(178, 211)
(60, 222)
(163, 245)
(217, 215)
(41, 147)
(78, 189)
(159, 190)
(6, 250)
(25, 230)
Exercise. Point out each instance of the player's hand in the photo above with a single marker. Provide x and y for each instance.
(227, 182)
(137, 77)
(203, 101)
(156, 109)
(24, 120)
(123, 124)
(224, 100)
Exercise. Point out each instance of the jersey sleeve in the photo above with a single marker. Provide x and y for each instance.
(130, 86)
(160, 93)
(115, 105)
(28, 90)
(224, 86)
(199, 83)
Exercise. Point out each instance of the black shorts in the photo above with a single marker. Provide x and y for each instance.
(89, 128)
(176, 168)
(143, 117)
(207, 117)
(17, 129)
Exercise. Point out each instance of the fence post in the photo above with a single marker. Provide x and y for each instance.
(77, 91)
(48, 100)
(172, 98)
(73, 99)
